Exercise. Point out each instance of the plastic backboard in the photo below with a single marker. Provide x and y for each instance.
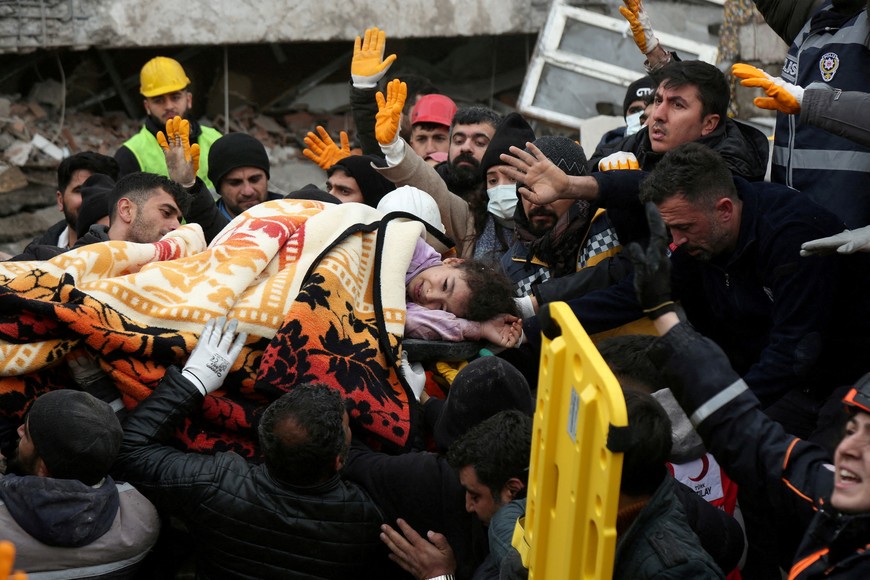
(569, 531)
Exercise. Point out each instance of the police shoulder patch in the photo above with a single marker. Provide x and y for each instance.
(828, 65)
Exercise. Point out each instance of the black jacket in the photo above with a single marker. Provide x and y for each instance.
(244, 523)
(744, 148)
(785, 321)
(795, 475)
(422, 489)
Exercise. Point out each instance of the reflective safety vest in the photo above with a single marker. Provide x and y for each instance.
(150, 155)
(832, 170)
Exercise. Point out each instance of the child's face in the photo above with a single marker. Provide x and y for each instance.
(441, 288)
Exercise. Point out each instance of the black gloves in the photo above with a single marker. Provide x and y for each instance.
(652, 268)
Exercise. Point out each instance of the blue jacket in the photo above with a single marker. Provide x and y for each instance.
(796, 476)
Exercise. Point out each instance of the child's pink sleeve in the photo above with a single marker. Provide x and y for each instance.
(430, 324)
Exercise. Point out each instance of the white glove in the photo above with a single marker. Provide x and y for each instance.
(414, 375)
(214, 354)
(846, 242)
(525, 306)
(619, 160)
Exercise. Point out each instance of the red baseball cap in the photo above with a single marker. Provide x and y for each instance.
(438, 109)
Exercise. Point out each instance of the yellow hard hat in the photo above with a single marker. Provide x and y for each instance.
(162, 75)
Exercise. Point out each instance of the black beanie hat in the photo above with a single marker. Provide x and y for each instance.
(77, 435)
(372, 184)
(232, 151)
(513, 130)
(639, 90)
(565, 153)
(312, 192)
(481, 389)
(96, 193)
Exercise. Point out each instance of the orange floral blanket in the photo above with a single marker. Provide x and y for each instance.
(320, 291)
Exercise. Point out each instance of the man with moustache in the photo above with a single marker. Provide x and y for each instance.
(690, 103)
(555, 239)
(470, 133)
(164, 84)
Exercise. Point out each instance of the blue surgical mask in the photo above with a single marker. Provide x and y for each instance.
(632, 123)
(502, 201)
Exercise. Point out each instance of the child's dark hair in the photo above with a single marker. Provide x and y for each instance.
(491, 290)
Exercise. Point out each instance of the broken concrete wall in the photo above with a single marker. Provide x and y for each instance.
(29, 25)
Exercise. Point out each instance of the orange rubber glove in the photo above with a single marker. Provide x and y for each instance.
(619, 160)
(182, 158)
(7, 558)
(389, 115)
(322, 150)
(781, 95)
(641, 28)
(368, 65)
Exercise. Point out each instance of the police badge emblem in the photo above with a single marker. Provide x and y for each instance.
(828, 65)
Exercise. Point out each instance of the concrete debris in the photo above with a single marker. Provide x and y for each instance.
(36, 133)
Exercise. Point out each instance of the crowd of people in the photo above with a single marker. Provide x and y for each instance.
(732, 310)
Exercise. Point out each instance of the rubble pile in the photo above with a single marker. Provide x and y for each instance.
(36, 134)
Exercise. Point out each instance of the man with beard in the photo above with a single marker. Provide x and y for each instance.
(144, 208)
(555, 239)
(71, 174)
(164, 85)
(470, 134)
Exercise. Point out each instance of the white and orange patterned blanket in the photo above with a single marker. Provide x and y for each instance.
(320, 290)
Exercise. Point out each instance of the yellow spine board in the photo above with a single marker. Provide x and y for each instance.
(570, 524)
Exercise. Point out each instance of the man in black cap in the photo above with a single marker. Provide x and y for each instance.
(638, 97)
(556, 242)
(238, 166)
(58, 504)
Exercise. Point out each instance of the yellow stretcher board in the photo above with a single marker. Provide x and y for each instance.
(569, 531)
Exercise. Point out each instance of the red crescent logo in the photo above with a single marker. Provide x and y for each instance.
(704, 467)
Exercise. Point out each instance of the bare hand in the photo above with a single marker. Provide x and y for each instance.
(502, 330)
(543, 182)
(415, 554)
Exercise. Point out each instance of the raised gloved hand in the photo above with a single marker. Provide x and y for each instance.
(846, 242)
(368, 65)
(7, 559)
(322, 149)
(414, 375)
(389, 115)
(182, 158)
(652, 267)
(641, 28)
(214, 354)
(619, 160)
(781, 95)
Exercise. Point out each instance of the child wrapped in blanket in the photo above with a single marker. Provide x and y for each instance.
(455, 299)
(448, 298)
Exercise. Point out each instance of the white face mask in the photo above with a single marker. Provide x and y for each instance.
(632, 123)
(502, 201)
